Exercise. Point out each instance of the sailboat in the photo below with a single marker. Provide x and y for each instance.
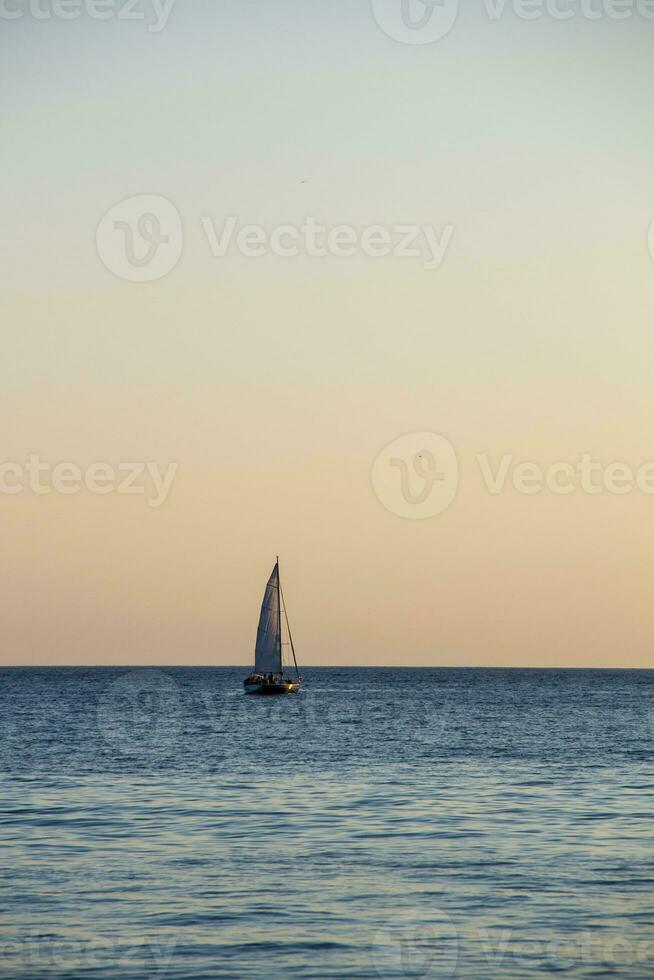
(268, 676)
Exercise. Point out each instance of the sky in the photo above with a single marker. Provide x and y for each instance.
(298, 401)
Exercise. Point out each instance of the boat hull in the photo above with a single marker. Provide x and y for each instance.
(270, 688)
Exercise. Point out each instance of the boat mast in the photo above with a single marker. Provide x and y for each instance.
(279, 618)
(288, 627)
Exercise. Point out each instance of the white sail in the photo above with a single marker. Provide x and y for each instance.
(267, 655)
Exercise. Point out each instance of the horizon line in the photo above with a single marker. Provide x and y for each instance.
(164, 667)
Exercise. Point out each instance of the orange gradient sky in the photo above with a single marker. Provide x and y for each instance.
(274, 383)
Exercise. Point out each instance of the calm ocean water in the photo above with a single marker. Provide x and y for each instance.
(382, 824)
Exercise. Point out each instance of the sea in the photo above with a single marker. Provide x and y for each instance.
(383, 823)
